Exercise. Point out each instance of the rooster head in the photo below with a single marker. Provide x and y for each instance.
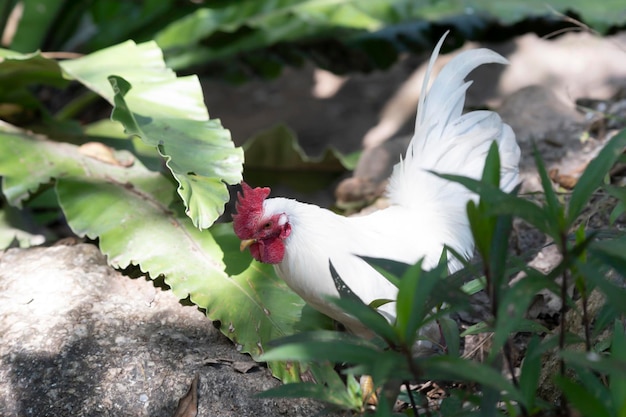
(264, 233)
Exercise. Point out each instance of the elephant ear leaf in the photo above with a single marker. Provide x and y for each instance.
(166, 112)
(136, 212)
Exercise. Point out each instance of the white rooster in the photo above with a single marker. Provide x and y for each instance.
(425, 212)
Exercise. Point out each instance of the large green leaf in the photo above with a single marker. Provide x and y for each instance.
(17, 230)
(17, 73)
(274, 156)
(139, 220)
(168, 113)
(37, 18)
(19, 70)
(265, 34)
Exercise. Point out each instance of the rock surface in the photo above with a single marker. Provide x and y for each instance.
(80, 339)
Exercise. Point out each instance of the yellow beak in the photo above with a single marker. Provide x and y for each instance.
(245, 243)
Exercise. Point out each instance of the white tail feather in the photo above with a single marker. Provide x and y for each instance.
(449, 142)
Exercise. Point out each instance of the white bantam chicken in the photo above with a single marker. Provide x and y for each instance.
(425, 212)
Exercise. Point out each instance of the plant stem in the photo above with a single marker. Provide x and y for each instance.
(509, 361)
(586, 325)
(410, 394)
(75, 106)
(563, 313)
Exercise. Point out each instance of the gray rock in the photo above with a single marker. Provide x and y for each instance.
(80, 339)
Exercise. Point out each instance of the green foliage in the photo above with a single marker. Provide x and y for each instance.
(366, 35)
(86, 25)
(274, 156)
(590, 380)
(150, 202)
(237, 40)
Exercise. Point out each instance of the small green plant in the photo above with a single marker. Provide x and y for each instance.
(591, 380)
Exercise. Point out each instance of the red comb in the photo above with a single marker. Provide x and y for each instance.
(249, 208)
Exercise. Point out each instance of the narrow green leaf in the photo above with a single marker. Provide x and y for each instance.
(313, 391)
(478, 328)
(501, 203)
(450, 331)
(499, 253)
(617, 192)
(390, 365)
(370, 318)
(482, 229)
(327, 376)
(412, 306)
(595, 361)
(615, 294)
(489, 401)
(618, 210)
(581, 399)
(611, 251)
(617, 379)
(323, 345)
(593, 383)
(345, 292)
(404, 302)
(474, 286)
(328, 388)
(553, 208)
(456, 368)
(491, 171)
(379, 302)
(595, 172)
(392, 270)
(603, 321)
(530, 371)
(513, 306)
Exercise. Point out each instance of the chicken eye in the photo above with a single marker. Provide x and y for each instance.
(267, 225)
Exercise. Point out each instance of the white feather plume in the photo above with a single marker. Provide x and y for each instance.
(447, 141)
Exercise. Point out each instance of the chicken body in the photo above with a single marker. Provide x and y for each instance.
(319, 236)
(425, 213)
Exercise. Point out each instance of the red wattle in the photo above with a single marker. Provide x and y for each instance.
(269, 251)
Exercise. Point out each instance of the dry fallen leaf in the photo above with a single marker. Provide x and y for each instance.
(240, 366)
(104, 154)
(188, 405)
(565, 181)
(244, 366)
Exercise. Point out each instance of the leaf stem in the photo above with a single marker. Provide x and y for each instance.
(410, 394)
(585, 319)
(563, 313)
(75, 106)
